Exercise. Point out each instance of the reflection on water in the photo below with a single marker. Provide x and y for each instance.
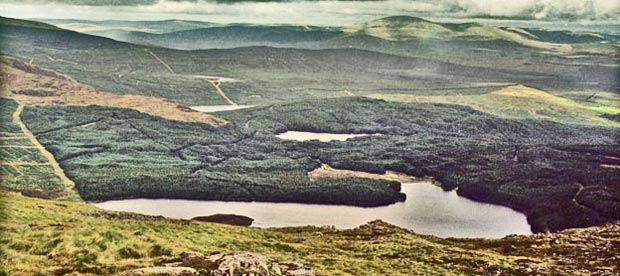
(323, 137)
(427, 210)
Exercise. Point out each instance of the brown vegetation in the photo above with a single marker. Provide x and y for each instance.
(326, 171)
(30, 85)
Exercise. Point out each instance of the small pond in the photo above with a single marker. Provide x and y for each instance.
(216, 108)
(323, 137)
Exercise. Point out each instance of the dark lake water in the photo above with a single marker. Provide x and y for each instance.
(427, 210)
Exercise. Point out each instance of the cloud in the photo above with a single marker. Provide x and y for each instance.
(317, 12)
(542, 9)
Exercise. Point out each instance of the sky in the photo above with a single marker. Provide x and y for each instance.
(317, 12)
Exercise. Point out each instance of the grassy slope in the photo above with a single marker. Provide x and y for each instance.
(42, 237)
(401, 28)
(521, 102)
(26, 23)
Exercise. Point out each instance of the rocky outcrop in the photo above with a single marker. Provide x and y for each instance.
(588, 251)
(226, 219)
(242, 264)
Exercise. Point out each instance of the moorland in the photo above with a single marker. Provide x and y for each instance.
(522, 118)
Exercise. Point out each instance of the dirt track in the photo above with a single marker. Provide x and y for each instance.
(217, 85)
(160, 61)
(50, 158)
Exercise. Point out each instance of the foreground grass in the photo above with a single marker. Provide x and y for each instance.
(44, 237)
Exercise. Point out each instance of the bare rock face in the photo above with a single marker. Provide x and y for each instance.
(242, 264)
(162, 270)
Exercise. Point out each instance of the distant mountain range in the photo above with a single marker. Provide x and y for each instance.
(101, 27)
(367, 58)
(391, 34)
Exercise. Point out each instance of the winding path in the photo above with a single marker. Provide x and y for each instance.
(217, 85)
(579, 190)
(68, 183)
(160, 61)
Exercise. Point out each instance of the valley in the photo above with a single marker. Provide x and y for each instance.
(481, 145)
(303, 126)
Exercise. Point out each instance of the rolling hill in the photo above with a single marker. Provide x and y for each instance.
(26, 23)
(526, 102)
(124, 68)
(103, 26)
(191, 35)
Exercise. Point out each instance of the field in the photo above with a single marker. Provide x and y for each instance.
(25, 166)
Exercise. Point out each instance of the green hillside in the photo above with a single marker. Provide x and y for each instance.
(522, 102)
(388, 35)
(124, 68)
(103, 26)
(23, 166)
(25, 23)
